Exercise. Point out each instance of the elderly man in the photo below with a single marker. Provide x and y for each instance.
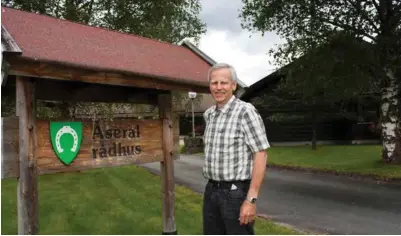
(235, 157)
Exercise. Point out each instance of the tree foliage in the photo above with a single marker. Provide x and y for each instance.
(169, 21)
(307, 23)
(342, 45)
(338, 50)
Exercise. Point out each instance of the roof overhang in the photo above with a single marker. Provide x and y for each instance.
(186, 43)
(15, 63)
(261, 84)
(62, 44)
(8, 46)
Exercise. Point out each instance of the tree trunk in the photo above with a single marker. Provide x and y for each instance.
(314, 132)
(390, 121)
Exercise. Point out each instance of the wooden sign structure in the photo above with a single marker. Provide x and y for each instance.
(31, 147)
(29, 152)
(104, 143)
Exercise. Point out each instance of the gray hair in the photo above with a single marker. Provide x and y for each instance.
(234, 76)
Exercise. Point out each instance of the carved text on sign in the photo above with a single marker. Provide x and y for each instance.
(116, 148)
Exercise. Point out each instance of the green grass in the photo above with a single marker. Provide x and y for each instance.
(360, 159)
(345, 159)
(120, 200)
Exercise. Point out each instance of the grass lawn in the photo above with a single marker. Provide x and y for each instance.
(361, 159)
(120, 200)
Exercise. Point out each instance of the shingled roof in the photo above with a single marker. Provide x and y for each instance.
(48, 39)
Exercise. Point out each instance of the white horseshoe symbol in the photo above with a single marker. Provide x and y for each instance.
(61, 132)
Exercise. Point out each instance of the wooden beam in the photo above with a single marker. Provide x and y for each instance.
(9, 147)
(8, 44)
(27, 182)
(176, 135)
(31, 68)
(167, 166)
(5, 66)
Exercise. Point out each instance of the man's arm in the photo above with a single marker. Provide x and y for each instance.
(248, 210)
(258, 173)
(256, 140)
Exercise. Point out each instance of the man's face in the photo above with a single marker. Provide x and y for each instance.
(221, 86)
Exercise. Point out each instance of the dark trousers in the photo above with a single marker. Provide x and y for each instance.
(221, 208)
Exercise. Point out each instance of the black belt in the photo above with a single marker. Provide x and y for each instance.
(228, 184)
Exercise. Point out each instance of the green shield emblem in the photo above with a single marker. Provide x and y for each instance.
(66, 140)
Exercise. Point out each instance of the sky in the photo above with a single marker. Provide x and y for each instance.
(226, 41)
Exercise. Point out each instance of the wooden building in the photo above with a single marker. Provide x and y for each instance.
(286, 124)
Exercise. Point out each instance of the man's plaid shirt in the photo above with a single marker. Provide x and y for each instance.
(232, 135)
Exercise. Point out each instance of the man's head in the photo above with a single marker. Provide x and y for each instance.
(222, 82)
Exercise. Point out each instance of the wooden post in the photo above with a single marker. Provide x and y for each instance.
(27, 192)
(167, 166)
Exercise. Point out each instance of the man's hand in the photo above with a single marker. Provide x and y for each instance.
(247, 212)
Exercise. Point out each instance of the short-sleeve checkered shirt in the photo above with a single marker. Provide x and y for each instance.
(232, 135)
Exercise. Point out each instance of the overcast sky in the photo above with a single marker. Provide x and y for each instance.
(226, 41)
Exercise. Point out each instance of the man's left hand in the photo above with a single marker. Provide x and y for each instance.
(247, 212)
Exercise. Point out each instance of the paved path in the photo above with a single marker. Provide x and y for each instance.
(317, 203)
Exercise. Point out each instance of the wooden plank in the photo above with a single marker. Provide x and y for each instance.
(9, 147)
(8, 44)
(4, 72)
(31, 68)
(98, 149)
(167, 165)
(176, 136)
(27, 182)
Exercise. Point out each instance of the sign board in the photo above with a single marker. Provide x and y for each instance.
(192, 95)
(64, 146)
